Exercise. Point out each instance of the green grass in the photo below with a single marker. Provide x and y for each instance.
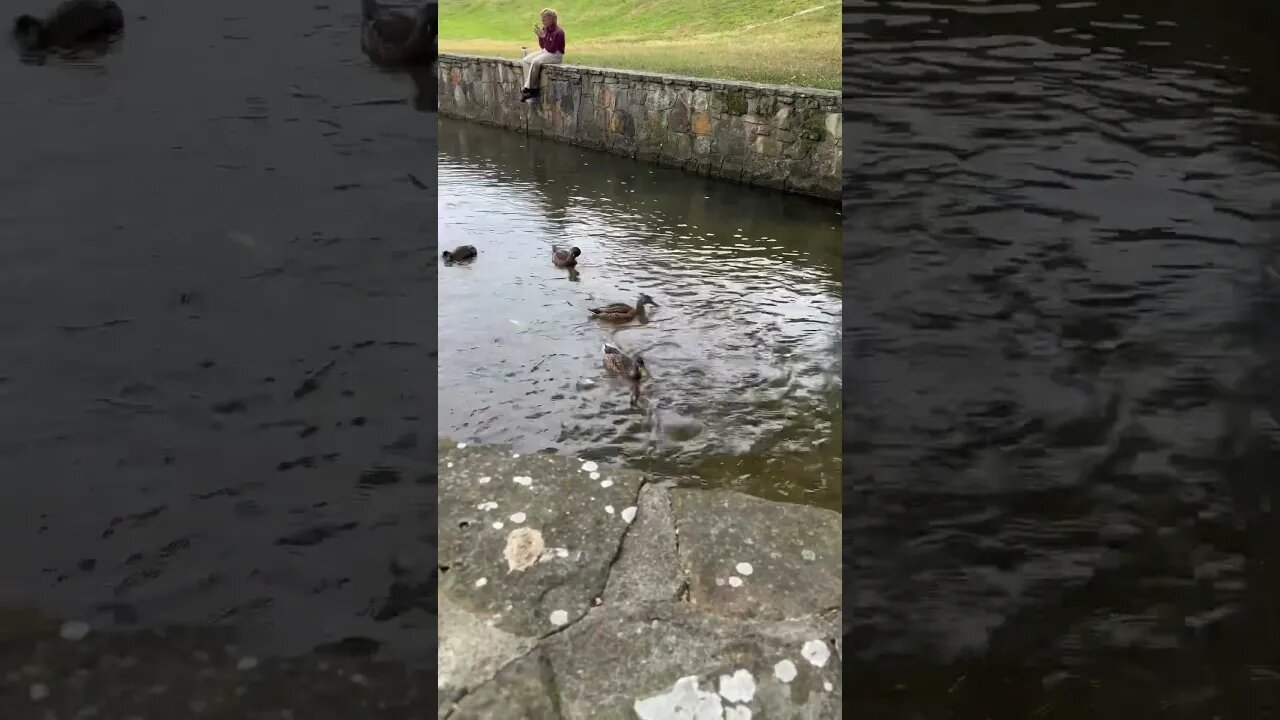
(789, 42)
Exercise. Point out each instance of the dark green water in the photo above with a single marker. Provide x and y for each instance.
(1062, 240)
(743, 350)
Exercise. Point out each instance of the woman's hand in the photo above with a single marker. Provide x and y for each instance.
(537, 30)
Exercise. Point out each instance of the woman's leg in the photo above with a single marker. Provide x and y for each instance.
(532, 65)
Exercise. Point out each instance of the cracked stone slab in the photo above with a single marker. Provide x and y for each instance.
(470, 650)
(569, 518)
(621, 655)
(648, 569)
(748, 557)
(523, 690)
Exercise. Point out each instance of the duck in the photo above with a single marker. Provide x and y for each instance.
(622, 312)
(459, 254)
(396, 39)
(562, 258)
(632, 369)
(71, 24)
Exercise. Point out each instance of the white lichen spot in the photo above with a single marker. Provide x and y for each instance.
(608, 509)
(744, 568)
(720, 582)
(497, 524)
(482, 582)
(559, 617)
(594, 476)
(606, 483)
(826, 685)
(462, 446)
(74, 630)
(684, 701)
(524, 480)
(562, 552)
(38, 692)
(785, 671)
(485, 480)
(515, 456)
(247, 662)
(629, 514)
(487, 505)
(735, 581)
(590, 466)
(737, 712)
(448, 464)
(738, 687)
(816, 652)
(524, 547)
(808, 554)
(517, 517)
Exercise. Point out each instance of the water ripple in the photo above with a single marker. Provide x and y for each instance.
(1062, 412)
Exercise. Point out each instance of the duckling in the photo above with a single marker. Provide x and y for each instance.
(71, 24)
(631, 369)
(461, 253)
(562, 258)
(394, 39)
(622, 312)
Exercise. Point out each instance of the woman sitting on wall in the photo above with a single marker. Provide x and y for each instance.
(551, 52)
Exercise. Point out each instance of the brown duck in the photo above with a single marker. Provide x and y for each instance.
(615, 361)
(462, 253)
(562, 258)
(622, 312)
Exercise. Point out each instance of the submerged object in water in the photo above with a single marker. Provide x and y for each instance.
(71, 24)
(396, 39)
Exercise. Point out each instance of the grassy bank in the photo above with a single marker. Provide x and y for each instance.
(789, 42)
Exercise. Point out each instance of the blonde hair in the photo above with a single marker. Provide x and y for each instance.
(548, 11)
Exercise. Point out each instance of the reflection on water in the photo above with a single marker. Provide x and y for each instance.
(212, 331)
(1062, 408)
(744, 387)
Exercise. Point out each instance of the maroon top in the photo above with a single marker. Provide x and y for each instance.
(552, 40)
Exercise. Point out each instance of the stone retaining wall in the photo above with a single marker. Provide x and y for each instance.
(782, 137)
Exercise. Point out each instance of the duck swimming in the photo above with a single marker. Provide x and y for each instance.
(395, 39)
(459, 254)
(617, 362)
(70, 25)
(622, 312)
(562, 258)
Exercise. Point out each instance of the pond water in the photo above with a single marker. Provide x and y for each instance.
(1063, 284)
(743, 350)
(214, 318)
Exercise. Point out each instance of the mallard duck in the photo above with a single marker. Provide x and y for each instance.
(622, 312)
(459, 254)
(395, 39)
(562, 258)
(72, 23)
(617, 362)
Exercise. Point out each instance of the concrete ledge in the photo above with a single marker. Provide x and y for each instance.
(788, 138)
(575, 591)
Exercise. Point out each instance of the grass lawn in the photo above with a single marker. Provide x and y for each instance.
(787, 42)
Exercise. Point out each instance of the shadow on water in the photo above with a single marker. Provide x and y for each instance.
(1062, 411)
(212, 332)
(745, 378)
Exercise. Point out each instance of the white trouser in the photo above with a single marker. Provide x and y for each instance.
(533, 63)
